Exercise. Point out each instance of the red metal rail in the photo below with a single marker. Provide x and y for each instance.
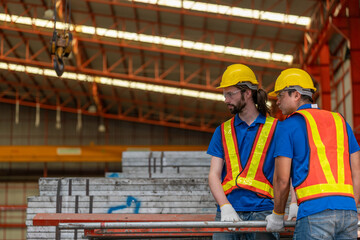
(54, 219)
(7, 208)
(13, 207)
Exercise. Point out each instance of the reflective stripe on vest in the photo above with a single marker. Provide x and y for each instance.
(252, 176)
(329, 165)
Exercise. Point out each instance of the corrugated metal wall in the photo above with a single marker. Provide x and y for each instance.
(19, 179)
(341, 93)
(117, 132)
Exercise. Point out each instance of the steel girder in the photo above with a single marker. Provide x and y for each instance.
(183, 11)
(159, 65)
(155, 113)
(354, 37)
(341, 17)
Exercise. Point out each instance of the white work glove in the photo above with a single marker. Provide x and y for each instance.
(275, 222)
(293, 209)
(228, 214)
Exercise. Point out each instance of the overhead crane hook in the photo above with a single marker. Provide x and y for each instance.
(61, 43)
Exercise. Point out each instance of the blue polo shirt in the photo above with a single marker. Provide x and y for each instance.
(242, 199)
(292, 142)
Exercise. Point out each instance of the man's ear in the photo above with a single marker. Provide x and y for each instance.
(248, 93)
(297, 96)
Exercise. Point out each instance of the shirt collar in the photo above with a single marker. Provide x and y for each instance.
(308, 106)
(261, 119)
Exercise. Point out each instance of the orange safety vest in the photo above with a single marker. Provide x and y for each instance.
(252, 176)
(329, 164)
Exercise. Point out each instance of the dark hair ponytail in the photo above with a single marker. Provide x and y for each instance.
(260, 98)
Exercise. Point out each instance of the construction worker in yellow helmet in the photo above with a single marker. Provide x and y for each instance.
(294, 79)
(318, 151)
(242, 162)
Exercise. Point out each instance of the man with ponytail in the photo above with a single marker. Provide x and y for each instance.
(242, 163)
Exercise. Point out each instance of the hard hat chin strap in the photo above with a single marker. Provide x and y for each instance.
(302, 91)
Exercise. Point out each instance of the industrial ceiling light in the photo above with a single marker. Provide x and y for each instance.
(144, 38)
(92, 109)
(49, 14)
(102, 127)
(187, 44)
(79, 121)
(37, 115)
(58, 118)
(17, 107)
(114, 82)
(231, 11)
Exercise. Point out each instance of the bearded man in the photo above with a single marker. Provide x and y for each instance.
(242, 163)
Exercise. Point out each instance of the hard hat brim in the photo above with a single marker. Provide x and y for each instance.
(224, 86)
(272, 94)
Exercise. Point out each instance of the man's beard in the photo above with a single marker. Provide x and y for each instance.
(238, 108)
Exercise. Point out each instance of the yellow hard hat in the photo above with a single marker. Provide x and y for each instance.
(237, 73)
(293, 77)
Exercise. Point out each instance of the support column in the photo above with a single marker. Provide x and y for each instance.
(354, 35)
(325, 93)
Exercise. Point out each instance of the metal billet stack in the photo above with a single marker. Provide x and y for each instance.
(161, 191)
(189, 164)
(151, 182)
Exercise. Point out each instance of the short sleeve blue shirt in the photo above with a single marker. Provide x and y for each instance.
(242, 199)
(292, 142)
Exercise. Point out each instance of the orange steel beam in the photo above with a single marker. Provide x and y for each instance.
(13, 207)
(35, 7)
(153, 61)
(105, 153)
(153, 7)
(54, 219)
(113, 99)
(156, 48)
(4, 38)
(12, 225)
(190, 53)
(325, 78)
(153, 26)
(163, 119)
(354, 23)
(347, 25)
(324, 23)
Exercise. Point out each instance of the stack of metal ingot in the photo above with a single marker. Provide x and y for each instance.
(169, 164)
(162, 192)
(151, 182)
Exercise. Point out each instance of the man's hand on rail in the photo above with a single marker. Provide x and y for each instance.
(293, 209)
(275, 222)
(228, 214)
